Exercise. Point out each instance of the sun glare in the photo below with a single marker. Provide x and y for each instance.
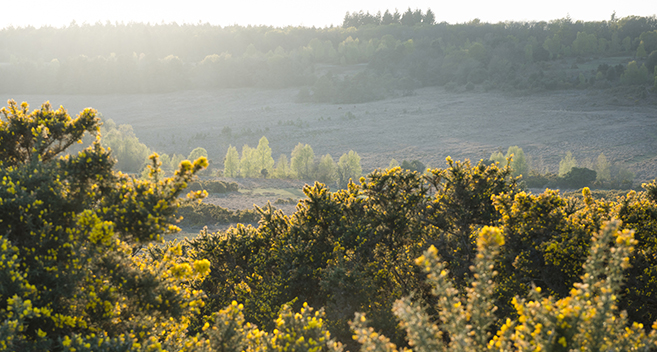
(306, 13)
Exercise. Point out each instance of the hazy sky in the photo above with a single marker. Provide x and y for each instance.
(281, 13)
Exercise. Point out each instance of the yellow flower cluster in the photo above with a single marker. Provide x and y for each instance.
(585, 320)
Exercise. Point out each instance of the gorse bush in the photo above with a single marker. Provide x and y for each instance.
(351, 250)
(587, 319)
(83, 266)
(69, 229)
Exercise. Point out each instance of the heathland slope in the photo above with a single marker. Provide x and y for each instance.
(428, 125)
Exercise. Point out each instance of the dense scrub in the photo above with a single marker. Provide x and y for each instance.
(70, 228)
(204, 214)
(516, 270)
(213, 186)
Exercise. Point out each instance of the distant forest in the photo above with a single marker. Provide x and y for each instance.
(399, 52)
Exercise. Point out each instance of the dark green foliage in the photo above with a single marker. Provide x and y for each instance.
(542, 246)
(69, 228)
(579, 177)
(548, 236)
(414, 165)
(205, 214)
(651, 62)
(353, 250)
(347, 251)
(399, 49)
(536, 180)
(213, 186)
(463, 203)
(639, 212)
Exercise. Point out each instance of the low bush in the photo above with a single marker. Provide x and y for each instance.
(205, 214)
(213, 186)
(586, 319)
(578, 177)
(286, 201)
(536, 180)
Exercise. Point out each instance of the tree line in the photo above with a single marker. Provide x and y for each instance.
(133, 157)
(137, 57)
(258, 162)
(408, 18)
(598, 173)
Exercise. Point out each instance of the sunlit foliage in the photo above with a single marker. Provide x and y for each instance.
(70, 229)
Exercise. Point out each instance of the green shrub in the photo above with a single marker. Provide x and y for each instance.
(213, 186)
(536, 180)
(69, 229)
(635, 75)
(586, 319)
(578, 177)
(414, 165)
(204, 214)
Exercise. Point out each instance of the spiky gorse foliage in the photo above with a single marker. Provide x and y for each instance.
(304, 331)
(42, 133)
(354, 249)
(70, 233)
(588, 319)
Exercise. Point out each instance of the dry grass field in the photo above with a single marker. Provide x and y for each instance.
(428, 126)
